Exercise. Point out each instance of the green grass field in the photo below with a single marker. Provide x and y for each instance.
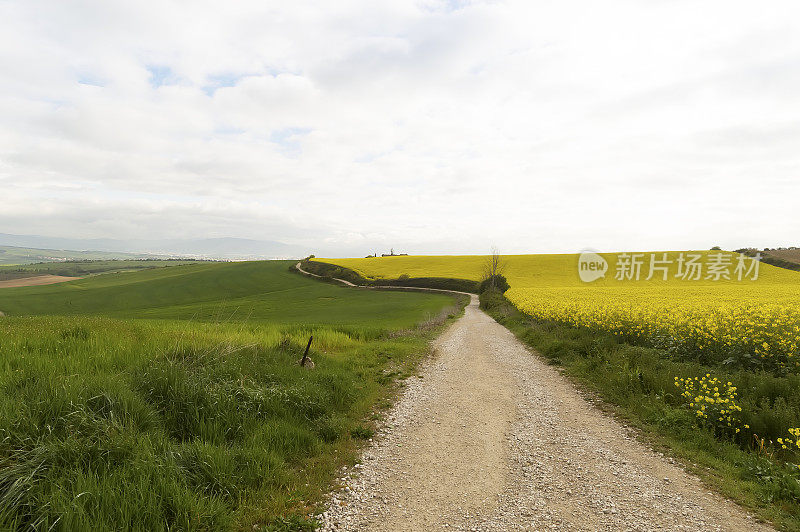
(172, 398)
(255, 291)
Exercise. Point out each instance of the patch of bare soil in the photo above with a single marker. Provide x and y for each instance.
(37, 280)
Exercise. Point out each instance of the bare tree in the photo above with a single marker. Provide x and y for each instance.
(493, 267)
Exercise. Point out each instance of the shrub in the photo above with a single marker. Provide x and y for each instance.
(497, 282)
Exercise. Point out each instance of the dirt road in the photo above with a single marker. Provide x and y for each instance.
(36, 280)
(301, 270)
(491, 438)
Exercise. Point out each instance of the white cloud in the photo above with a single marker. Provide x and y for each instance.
(536, 126)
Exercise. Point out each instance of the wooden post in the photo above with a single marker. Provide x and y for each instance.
(305, 355)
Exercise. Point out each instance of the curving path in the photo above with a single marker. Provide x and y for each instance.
(489, 437)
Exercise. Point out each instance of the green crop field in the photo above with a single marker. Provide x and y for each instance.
(171, 398)
(256, 291)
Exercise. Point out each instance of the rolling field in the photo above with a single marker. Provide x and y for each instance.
(707, 368)
(253, 291)
(172, 398)
(754, 321)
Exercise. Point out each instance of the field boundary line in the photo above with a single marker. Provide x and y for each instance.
(384, 287)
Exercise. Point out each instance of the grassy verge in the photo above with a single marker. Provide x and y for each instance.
(108, 424)
(330, 271)
(637, 384)
(118, 415)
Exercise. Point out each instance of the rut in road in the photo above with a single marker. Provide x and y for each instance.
(492, 438)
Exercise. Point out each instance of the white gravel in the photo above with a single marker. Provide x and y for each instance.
(492, 438)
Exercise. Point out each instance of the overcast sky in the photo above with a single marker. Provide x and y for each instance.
(535, 126)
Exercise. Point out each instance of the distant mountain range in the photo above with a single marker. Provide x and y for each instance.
(216, 248)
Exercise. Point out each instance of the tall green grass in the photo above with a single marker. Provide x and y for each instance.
(108, 424)
(113, 423)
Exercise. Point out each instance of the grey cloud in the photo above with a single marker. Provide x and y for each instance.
(430, 126)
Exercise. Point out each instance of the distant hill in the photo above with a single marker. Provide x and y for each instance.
(217, 248)
(787, 254)
(788, 258)
(23, 255)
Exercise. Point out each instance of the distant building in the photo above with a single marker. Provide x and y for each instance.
(393, 254)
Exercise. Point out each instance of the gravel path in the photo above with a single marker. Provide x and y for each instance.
(301, 270)
(492, 438)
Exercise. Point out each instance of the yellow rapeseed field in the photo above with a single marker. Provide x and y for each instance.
(713, 305)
